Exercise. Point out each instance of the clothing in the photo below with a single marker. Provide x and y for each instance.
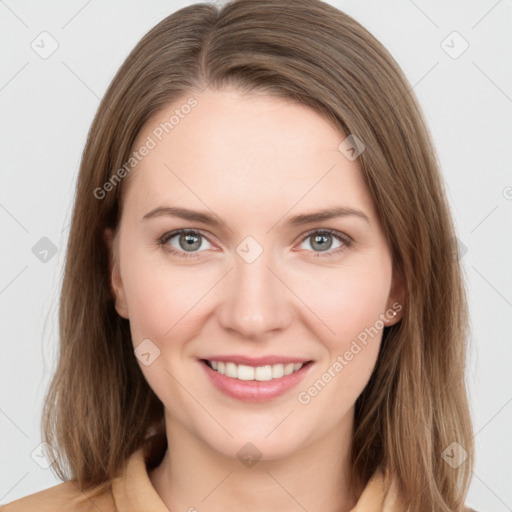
(132, 491)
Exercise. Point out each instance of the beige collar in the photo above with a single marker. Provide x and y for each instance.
(133, 490)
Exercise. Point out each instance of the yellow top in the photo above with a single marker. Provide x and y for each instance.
(132, 491)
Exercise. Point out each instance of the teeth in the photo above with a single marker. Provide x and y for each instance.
(230, 370)
(242, 372)
(288, 369)
(261, 373)
(277, 371)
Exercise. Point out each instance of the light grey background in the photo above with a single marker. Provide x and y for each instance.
(48, 105)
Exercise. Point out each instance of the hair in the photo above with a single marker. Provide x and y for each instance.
(99, 407)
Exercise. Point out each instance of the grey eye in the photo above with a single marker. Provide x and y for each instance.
(188, 242)
(321, 241)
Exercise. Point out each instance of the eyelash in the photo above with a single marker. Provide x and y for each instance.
(341, 237)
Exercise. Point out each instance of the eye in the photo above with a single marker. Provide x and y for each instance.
(186, 244)
(322, 242)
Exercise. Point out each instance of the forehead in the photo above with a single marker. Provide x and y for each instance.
(243, 152)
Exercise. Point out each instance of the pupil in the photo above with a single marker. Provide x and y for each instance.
(317, 238)
(190, 241)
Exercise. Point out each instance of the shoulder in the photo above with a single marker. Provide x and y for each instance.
(132, 489)
(64, 497)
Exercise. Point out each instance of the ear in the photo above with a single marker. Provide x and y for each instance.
(396, 300)
(116, 283)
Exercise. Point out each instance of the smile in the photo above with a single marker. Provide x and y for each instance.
(255, 383)
(260, 373)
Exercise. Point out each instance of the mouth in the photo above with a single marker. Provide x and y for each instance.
(255, 383)
(259, 373)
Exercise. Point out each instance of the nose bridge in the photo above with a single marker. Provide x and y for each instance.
(255, 300)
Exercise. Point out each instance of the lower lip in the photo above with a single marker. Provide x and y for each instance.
(255, 390)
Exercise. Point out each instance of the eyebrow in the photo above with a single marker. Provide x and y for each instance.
(296, 220)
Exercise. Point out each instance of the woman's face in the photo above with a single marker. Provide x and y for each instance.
(256, 280)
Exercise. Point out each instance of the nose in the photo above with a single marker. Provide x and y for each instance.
(255, 299)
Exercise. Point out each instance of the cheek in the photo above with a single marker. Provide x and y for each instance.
(162, 297)
(338, 304)
(351, 307)
(346, 302)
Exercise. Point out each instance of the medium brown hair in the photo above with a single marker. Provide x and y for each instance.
(99, 405)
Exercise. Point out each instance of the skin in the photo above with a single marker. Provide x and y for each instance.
(253, 161)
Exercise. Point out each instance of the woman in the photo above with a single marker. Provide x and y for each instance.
(261, 306)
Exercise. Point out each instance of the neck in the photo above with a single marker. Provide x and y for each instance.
(315, 478)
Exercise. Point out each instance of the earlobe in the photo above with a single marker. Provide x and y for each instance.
(116, 283)
(396, 300)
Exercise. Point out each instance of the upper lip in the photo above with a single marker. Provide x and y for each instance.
(257, 361)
